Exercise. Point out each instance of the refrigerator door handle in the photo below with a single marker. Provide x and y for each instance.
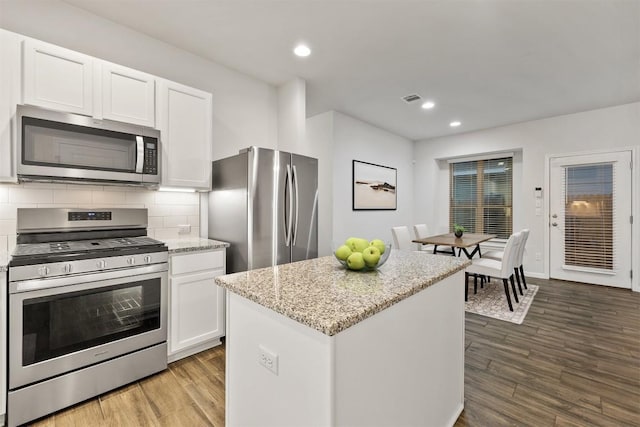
(295, 186)
(288, 221)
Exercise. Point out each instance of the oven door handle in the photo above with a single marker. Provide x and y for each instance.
(36, 285)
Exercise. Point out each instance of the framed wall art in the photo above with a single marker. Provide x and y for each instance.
(374, 187)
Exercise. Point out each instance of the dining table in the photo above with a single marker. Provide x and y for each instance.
(467, 240)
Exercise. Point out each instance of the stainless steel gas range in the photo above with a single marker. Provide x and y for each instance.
(87, 307)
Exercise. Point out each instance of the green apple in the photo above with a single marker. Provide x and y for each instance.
(355, 261)
(378, 244)
(343, 252)
(351, 242)
(360, 245)
(371, 256)
(356, 244)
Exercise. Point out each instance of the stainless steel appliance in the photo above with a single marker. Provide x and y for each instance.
(87, 307)
(55, 146)
(265, 203)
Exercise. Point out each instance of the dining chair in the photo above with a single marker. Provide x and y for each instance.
(503, 269)
(519, 270)
(402, 238)
(422, 231)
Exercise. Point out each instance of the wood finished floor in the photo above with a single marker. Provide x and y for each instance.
(575, 361)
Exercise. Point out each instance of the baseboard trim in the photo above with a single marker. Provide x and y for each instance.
(536, 275)
(193, 350)
(456, 415)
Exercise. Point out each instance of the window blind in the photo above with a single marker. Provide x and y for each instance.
(588, 194)
(481, 196)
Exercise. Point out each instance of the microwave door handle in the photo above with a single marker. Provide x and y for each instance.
(140, 154)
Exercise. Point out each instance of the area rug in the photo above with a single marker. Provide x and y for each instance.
(491, 301)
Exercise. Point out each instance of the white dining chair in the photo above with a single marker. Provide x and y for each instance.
(519, 270)
(402, 238)
(421, 231)
(503, 269)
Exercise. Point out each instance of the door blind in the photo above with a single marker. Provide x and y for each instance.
(589, 196)
(481, 196)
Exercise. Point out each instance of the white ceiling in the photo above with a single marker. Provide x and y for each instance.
(484, 62)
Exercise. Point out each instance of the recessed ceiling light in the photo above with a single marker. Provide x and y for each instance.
(302, 50)
(428, 105)
(455, 124)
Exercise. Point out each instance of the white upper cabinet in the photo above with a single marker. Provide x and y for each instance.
(185, 120)
(61, 79)
(9, 97)
(57, 78)
(127, 95)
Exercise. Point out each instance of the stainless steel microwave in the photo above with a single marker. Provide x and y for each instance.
(56, 146)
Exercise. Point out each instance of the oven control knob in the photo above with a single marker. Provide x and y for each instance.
(68, 268)
(131, 261)
(147, 259)
(101, 264)
(43, 271)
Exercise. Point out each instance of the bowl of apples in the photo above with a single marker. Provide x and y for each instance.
(359, 254)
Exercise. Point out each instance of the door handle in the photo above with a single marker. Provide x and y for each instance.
(555, 224)
(554, 216)
(288, 224)
(295, 187)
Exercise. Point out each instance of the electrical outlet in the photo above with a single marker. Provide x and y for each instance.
(538, 256)
(268, 359)
(184, 228)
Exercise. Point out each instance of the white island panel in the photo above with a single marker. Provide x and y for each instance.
(403, 365)
(300, 393)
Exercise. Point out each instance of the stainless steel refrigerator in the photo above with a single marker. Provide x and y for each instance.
(265, 204)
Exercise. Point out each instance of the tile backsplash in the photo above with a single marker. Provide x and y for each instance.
(167, 210)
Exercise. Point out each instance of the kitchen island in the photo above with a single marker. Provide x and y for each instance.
(310, 343)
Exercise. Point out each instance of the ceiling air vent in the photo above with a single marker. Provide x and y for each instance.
(411, 98)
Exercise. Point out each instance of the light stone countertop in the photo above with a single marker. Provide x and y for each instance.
(4, 262)
(322, 294)
(193, 245)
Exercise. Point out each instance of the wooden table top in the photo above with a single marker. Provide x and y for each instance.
(449, 239)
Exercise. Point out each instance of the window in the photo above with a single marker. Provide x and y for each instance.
(588, 192)
(481, 196)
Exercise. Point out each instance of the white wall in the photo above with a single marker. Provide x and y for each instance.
(614, 127)
(356, 140)
(292, 98)
(244, 108)
(167, 210)
(320, 144)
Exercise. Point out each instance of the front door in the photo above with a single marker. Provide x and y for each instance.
(590, 218)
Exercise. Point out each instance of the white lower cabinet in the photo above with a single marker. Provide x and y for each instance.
(196, 303)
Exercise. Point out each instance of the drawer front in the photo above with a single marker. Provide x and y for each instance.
(197, 261)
